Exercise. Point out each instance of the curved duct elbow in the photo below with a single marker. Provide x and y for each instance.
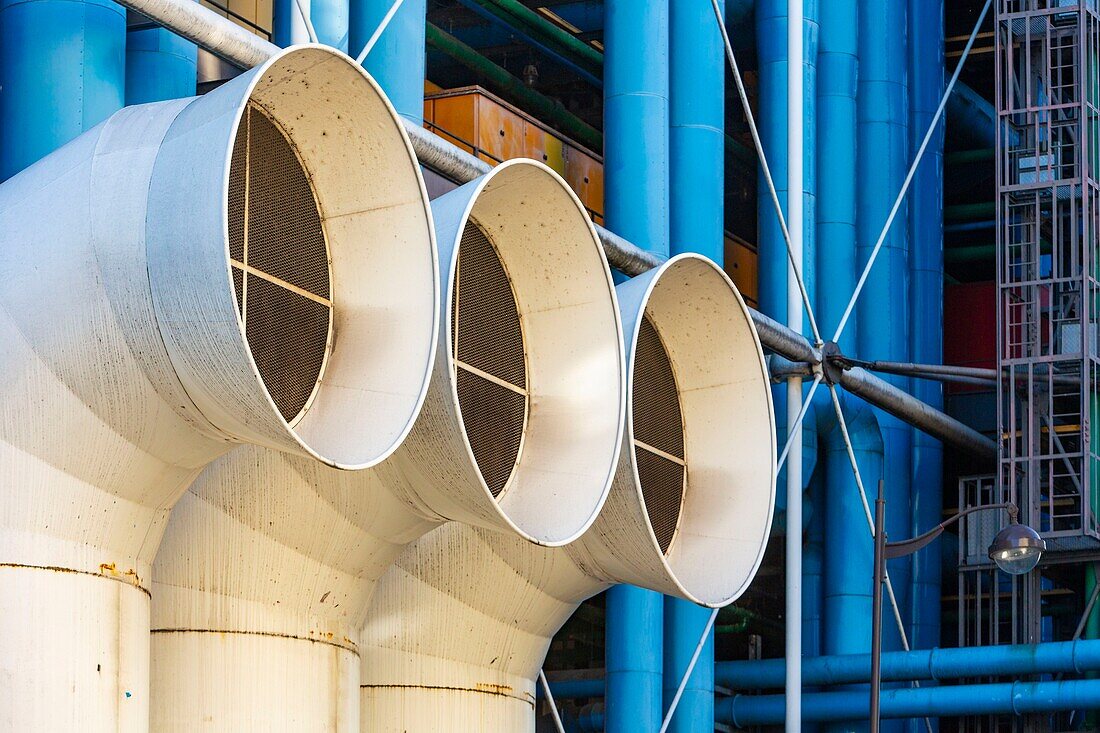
(460, 626)
(269, 561)
(188, 276)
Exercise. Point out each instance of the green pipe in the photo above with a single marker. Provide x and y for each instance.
(979, 155)
(548, 110)
(983, 210)
(518, 14)
(976, 253)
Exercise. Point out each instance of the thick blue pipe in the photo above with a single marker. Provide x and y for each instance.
(1015, 698)
(849, 554)
(1067, 657)
(771, 48)
(883, 309)
(397, 61)
(329, 17)
(697, 66)
(1062, 657)
(926, 85)
(62, 71)
(636, 171)
(159, 65)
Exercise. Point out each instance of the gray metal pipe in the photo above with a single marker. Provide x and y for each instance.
(882, 394)
(226, 39)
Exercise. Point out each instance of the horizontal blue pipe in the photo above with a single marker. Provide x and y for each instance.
(928, 664)
(1071, 657)
(970, 226)
(1014, 698)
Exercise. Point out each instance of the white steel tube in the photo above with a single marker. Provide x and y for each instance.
(795, 216)
(129, 365)
(268, 562)
(460, 625)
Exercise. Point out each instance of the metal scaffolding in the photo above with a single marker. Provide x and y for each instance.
(1048, 215)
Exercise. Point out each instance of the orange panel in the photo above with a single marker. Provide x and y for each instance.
(534, 142)
(455, 119)
(429, 112)
(499, 131)
(742, 267)
(585, 174)
(430, 87)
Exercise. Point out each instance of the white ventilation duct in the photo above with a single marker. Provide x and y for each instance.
(460, 626)
(267, 567)
(251, 266)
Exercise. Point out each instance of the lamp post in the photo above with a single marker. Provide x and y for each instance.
(1016, 550)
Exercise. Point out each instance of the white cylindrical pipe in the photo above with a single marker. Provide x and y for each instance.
(131, 361)
(269, 561)
(459, 627)
(795, 217)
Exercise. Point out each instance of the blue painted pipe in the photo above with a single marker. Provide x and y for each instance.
(697, 75)
(883, 308)
(1015, 698)
(849, 555)
(1062, 657)
(159, 65)
(397, 61)
(62, 71)
(329, 17)
(926, 85)
(636, 175)
(1070, 657)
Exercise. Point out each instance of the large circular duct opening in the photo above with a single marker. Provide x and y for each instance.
(537, 351)
(703, 431)
(332, 257)
(489, 358)
(284, 294)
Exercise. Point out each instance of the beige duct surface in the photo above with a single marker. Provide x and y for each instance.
(460, 626)
(269, 561)
(152, 317)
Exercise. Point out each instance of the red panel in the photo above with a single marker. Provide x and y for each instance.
(970, 328)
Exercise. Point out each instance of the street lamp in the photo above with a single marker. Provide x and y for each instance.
(1016, 550)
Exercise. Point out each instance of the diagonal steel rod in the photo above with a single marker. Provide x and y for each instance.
(546, 691)
(766, 170)
(843, 423)
(909, 176)
(378, 32)
(687, 672)
(793, 428)
(304, 12)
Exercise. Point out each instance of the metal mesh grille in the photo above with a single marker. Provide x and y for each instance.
(280, 263)
(658, 435)
(491, 368)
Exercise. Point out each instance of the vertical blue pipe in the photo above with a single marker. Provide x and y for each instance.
(62, 71)
(159, 65)
(926, 85)
(636, 171)
(845, 594)
(329, 18)
(696, 222)
(848, 563)
(771, 49)
(397, 61)
(883, 310)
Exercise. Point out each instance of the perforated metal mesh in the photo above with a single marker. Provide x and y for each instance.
(280, 262)
(491, 368)
(658, 435)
